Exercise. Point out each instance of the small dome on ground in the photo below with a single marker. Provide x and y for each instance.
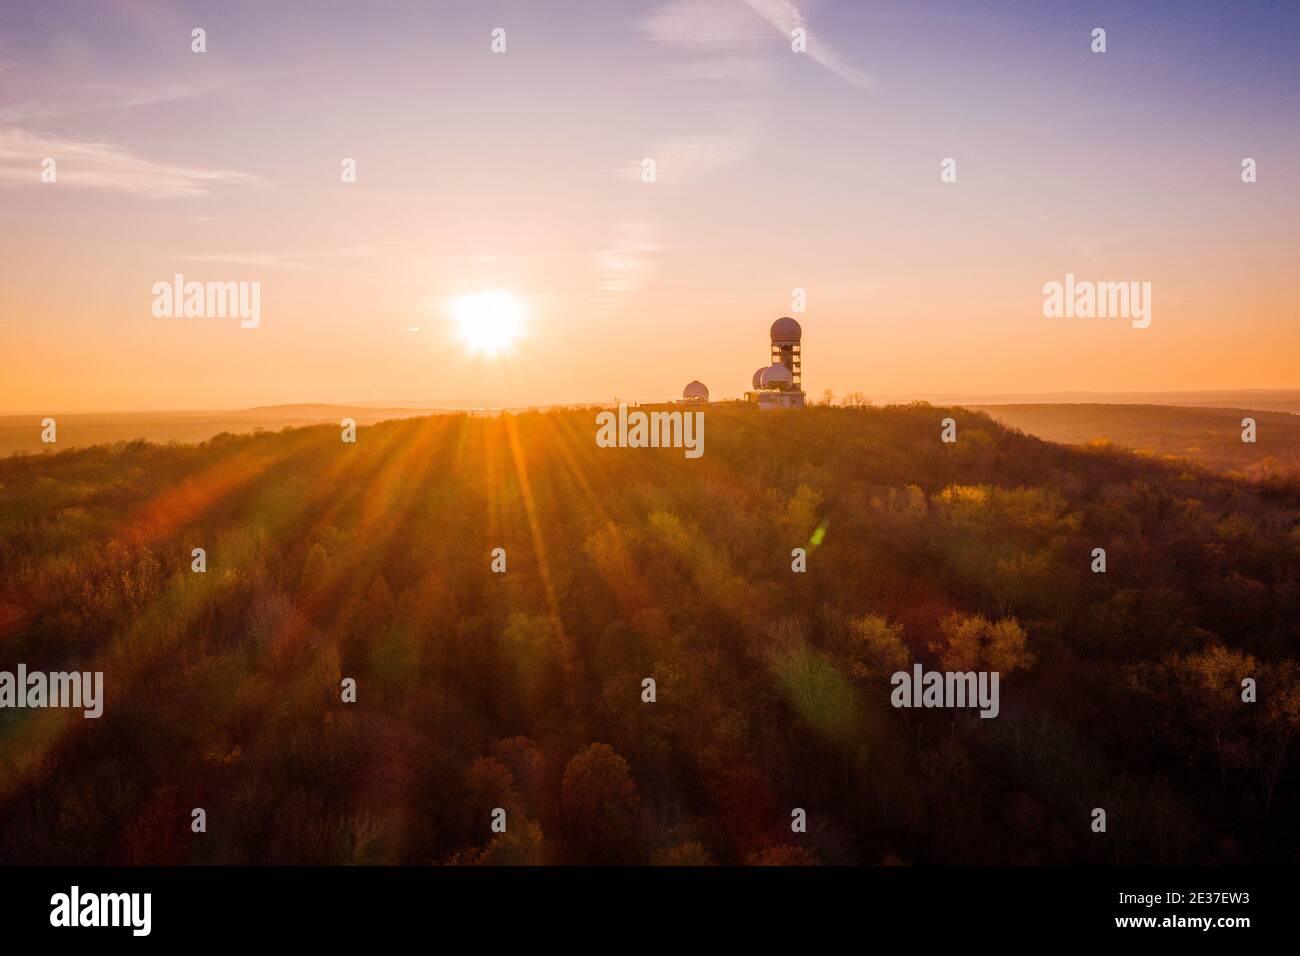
(695, 392)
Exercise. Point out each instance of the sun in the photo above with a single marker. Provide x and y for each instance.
(488, 323)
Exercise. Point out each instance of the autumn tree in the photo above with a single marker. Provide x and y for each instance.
(972, 642)
(877, 649)
(601, 805)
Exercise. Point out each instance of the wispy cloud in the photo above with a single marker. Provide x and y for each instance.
(291, 261)
(682, 158)
(729, 35)
(723, 44)
(724, 69)
(94, 100)
(628, 263)
(35, 97)
(702, 24)
(785, 16)
(1092, 248)
(82, 164)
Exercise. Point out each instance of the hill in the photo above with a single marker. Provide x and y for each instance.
(22, 433)
(1207, 436)
(1257, 399)
(524, 691)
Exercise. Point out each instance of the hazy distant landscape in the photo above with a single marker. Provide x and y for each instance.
(1209, 436)
(1259, 399)
(22, 433)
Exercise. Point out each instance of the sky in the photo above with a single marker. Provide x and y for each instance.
(520, 172)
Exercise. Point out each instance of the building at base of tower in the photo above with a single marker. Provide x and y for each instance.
(780, 385)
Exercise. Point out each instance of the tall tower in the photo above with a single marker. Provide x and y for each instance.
(786, 336)
(780, 385)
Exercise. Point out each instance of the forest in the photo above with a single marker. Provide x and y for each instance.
(523, 690)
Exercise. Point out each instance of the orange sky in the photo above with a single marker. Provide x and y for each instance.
(520, 171)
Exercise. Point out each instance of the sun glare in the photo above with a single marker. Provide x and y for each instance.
(488, 323)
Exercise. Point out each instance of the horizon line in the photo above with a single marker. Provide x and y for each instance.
(962, 397)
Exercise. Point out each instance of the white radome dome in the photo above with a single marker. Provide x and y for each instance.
(696, 391)
(758, 377)
(775, 375)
